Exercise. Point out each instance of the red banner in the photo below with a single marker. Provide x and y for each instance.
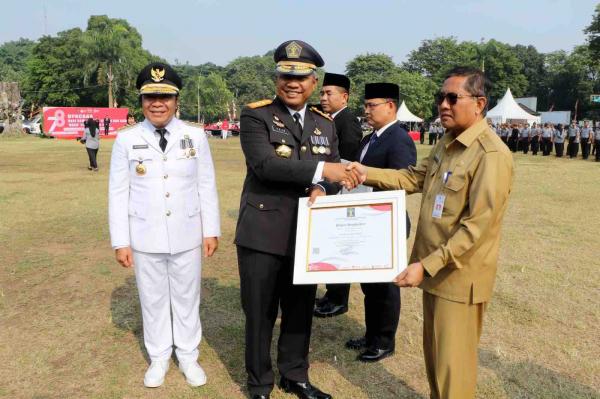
(67, 122)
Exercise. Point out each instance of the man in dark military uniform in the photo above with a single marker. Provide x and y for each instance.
(288, 148)
(334, 100)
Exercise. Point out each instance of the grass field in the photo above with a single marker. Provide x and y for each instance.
(70, 324)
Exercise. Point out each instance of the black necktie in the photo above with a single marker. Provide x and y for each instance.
(163, 140)
(297, 119)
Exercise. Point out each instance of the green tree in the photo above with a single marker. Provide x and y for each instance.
(504, 69)
(13, 60)
(593, 32)
(573, 78)
(215, 98)
(435, 57)
(534, 69)
(251, 78)
(113, 55)
(55, 70)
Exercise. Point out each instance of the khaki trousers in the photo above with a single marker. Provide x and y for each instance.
(451, 332)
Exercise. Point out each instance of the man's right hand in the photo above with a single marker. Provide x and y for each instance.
(124, 256)
(358, 170)
(336, 172)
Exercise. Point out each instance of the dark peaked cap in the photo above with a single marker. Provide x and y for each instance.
(334, 79)
(382, 90)
(158, 78)
(296, 57)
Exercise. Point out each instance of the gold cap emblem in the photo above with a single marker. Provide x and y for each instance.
(293, 50)
(157, 74)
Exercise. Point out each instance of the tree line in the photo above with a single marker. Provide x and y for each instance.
(98, 67)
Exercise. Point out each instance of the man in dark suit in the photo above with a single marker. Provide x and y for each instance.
(388, 147)
(289, 150)
(334, 100)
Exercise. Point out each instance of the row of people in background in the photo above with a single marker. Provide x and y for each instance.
(538, 137)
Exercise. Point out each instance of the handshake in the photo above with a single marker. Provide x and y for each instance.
(349, 175)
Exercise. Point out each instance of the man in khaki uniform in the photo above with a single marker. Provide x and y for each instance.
(466, 182)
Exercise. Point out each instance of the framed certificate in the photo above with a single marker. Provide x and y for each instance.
(351, 238)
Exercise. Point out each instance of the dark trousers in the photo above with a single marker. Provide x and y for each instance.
(382, 310)
(338, 293)
(572, 148)
(597, 149)
(106, 130)
(432, 138)
(535, 145)
(585, 148)
(382, 313)
(422, 137)
(512, 144)
(546, 146)
(559, 148)
(524, 145)
(92, 153)
(266, 285)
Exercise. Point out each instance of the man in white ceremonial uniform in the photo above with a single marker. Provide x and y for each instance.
(163, 212)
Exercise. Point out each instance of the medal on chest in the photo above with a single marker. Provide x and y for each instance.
(140, 168)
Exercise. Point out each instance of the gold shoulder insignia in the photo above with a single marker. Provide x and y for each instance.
(323, 114)
(126, 127)
(258, 104)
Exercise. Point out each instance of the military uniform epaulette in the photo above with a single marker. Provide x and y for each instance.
(193, 124)
(258, 104)
(487, 143)
(126, 127)
(323, 114)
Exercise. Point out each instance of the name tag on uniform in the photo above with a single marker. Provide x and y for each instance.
(438, 206)
(140, 146)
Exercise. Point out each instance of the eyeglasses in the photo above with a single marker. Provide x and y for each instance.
(451, 97)
(373, 105)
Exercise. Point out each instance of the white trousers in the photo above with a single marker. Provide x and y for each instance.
(170, 284)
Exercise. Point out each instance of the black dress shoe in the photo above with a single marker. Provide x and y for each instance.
(375, 354)
(326, 308)
(303, 390)
(261, 396)
(357, 344)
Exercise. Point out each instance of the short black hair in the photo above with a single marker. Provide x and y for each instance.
(477, 83)
(393, 101)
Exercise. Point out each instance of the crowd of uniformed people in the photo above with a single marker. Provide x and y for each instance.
(547, 138)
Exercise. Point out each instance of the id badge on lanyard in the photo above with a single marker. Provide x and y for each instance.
(438, 205)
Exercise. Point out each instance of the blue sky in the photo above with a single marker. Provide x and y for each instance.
(200, 31)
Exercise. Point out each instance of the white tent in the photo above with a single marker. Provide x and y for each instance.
(508, 108)
(404, 115)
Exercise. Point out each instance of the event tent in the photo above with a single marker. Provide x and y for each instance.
(404, 115)
(508, 109)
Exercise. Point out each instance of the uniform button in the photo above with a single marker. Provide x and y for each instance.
(261, 206)
(168, 213)
(283, 141)
(303, 148)
(164, 158)
(167, 195)
(166, 176)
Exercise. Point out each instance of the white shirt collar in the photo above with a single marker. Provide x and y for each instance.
(300, 111)
(337, 112)
(380, 131)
